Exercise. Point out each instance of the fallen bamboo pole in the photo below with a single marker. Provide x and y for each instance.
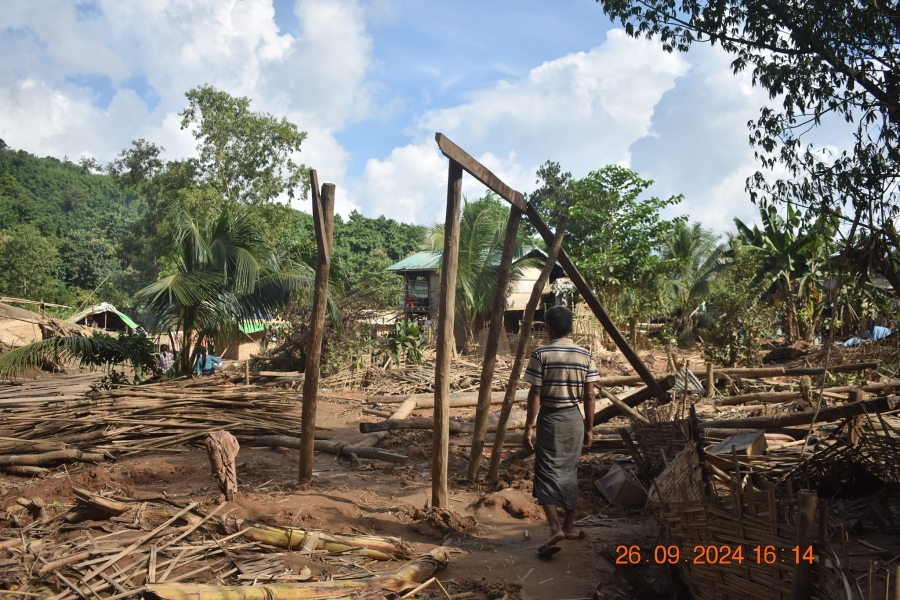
(516, 421)
(323, 219)
(622, 406)
(458, 399)
(35, 460)
(834, 413)
(778, 397)
(410, 574)
(336, 448)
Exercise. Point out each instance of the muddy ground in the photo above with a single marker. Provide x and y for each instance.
(493, 533)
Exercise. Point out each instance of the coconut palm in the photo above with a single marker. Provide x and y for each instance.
(226, 276)
(692, 257)
(481, 234)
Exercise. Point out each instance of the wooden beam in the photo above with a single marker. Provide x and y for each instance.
(524, 334)
(445, 339)
(495, 329)
(605, 414)
(482, 174)
(323, 219)
(479, 171)
(845, 411)
(806, 524)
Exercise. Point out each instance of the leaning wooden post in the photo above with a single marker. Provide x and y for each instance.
(495, 329)
(445, 339)
(524, 334)
(806, 528)
(323, 219)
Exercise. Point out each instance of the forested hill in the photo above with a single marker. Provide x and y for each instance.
(67, 228)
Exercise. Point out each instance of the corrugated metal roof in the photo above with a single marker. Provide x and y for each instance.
(420, 261)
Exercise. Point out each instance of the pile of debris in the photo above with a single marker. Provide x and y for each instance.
(113, 547)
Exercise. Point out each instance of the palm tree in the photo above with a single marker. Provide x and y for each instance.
(226, 275)
(482, 227)
(692, 256)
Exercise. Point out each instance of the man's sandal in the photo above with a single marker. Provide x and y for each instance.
(545, 551)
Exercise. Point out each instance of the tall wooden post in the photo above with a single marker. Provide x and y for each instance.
(445, 339)
(519, 361)
(323, 219)
(495, 329)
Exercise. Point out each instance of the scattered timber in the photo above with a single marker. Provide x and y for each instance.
(845, 411)
(516, 421)
(337, 448)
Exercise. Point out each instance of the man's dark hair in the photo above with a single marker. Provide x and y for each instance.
(559, 319)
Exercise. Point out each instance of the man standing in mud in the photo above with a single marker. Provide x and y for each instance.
(561, 375)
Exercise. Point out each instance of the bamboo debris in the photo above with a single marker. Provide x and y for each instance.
(336, 448)
(778, 397)
(407, 576)
(517, 421)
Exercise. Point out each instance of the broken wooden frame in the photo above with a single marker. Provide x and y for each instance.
(461, 161)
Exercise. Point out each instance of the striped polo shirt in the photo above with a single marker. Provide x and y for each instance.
(561, 369)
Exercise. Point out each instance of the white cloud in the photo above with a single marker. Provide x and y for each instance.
(317, 79)
(583, 110)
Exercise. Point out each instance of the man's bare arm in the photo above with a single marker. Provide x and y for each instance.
(533, 404)
(590, 405)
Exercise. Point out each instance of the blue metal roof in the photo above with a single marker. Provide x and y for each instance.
(420, 261)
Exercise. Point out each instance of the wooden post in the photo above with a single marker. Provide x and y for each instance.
(445, 339)
(495, 329)
(247, 372)
(519, 361)
(710, 380)
(323, 219)
(806, 528)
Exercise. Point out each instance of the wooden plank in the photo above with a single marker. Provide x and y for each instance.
(323, 219)
(479, 171)
(519, 360)
(806, 524)
(445, 339)
(495, 329)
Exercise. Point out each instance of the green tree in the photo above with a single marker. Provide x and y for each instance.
(791, 254)
(823, 61)
(691, 257)
(246, 156)
(86, 258)
(613, 234)
(227, 275)
(28, 264)
(481, 235)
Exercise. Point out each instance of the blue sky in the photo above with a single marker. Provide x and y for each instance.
(515, 83)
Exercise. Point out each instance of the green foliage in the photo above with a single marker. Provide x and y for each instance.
(86, 258)
(226, 275)
(406, 340)
(792, 254)
(828, 61)
(28, 264)
(102, 350)
(691, 257)
(246, 156)
(613, 234)
(740, 320)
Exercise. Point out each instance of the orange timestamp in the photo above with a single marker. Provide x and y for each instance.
(712, 554)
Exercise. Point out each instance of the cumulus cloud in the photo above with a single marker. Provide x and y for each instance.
(65, 52)
(583, 110)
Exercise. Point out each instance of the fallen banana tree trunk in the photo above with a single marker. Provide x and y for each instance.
(285, 441)
(406, 577)
(516, 421)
